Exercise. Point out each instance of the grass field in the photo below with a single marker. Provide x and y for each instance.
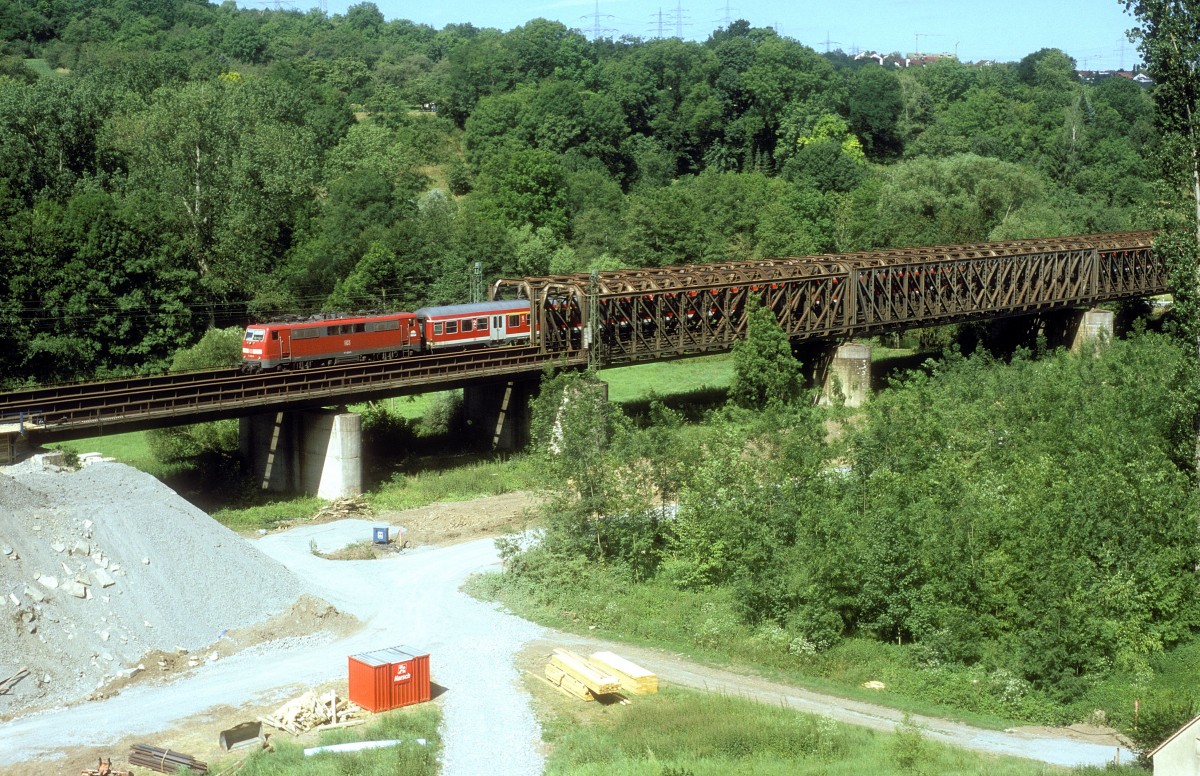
(684, 733)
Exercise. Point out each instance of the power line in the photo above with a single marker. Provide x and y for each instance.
(596, 16)
(727, 19)
(680, 19)
(659, 16)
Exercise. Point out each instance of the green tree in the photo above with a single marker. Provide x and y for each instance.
(594, 508)
(764, 370)
(1168, 35)
(527, 187)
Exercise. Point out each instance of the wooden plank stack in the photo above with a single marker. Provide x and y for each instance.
(633, 678)
(589, 678)
(310, 711)
(164, 760)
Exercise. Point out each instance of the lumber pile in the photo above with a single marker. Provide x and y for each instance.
(310, 712)
(633, 678)
(589, 678)
(164, 760)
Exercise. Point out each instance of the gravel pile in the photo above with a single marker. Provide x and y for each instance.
(100, 566)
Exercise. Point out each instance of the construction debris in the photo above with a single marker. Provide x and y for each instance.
(11, 681)
(247, 734)
(634, 679)
(310, 712)
(359, 746)
(164, 760)
(343, 508)
(104, 768)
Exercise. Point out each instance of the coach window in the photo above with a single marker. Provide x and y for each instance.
(514, 321)
(452, 327)
(437, 329)
(480, 324)
(466, 325)
(331, 331)
(359, 328)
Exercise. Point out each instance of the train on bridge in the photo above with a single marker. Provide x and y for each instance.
(328, 339)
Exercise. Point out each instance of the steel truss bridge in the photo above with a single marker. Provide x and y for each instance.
(632, 315)
(624, 316)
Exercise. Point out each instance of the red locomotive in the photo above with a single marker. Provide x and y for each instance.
(328, 339)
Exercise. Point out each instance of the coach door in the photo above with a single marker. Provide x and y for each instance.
(497, 328)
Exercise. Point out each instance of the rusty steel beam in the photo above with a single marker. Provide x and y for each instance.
(668, 311)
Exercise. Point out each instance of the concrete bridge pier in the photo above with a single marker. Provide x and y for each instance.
(843, 371)
(499, 412)
(1094, 325)
(1062, 328)
(316, 452)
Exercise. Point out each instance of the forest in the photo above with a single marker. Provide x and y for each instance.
(167, 166)
(1015, 537)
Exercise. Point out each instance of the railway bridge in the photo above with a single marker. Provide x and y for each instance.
(612, 318)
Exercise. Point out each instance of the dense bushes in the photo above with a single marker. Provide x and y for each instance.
(1024, 525)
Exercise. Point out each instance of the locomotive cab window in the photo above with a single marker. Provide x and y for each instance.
(452, 327)
(255, 335)
(274, 335)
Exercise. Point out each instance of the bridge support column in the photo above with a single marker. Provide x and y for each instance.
(499, 412)
(848, 380)
(1094, 326)
(317, 452)
(843, 372)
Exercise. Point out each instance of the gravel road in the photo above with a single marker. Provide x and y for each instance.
(414, 599)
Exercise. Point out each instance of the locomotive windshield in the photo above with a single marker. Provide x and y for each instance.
(255, 335)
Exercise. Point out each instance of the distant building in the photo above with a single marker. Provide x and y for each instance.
(1096, 76)
(1179, 755)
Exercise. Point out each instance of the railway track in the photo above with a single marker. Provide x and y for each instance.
(84, 409)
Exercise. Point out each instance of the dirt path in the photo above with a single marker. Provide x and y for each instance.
(413, 598)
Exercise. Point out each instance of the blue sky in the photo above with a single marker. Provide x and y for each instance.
(1091, 31)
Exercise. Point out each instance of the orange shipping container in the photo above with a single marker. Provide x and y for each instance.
(389, 678)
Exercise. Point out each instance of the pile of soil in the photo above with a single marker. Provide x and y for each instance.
(105, 574)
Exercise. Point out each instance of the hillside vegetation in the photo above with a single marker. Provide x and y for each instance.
(171, 165)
